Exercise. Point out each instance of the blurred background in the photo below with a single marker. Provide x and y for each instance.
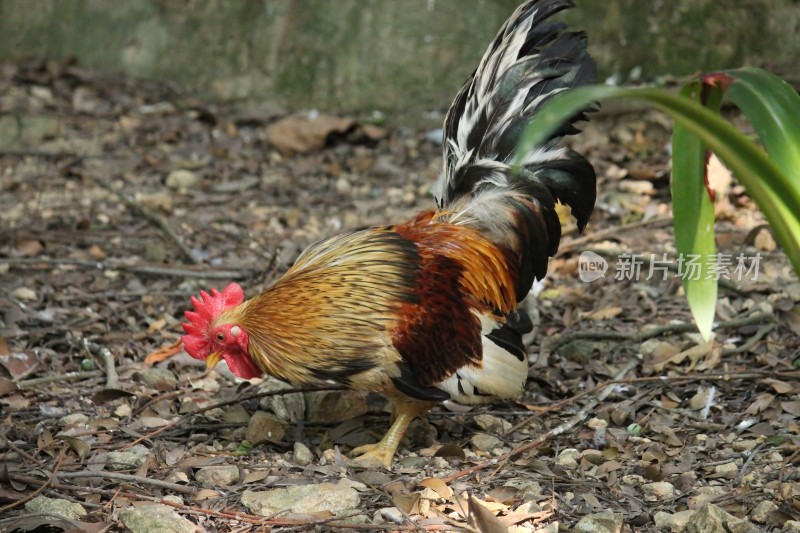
(401, 58)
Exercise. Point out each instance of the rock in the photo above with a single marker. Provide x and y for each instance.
(333, 407)
(158, 378)
(727, 470)
(392, 514)
(155, 519)
(658, 491)
(302, 499)
(182, 179)
(264, 427)
(74, 418)
(744, 445)
(568, 458)
(675, 522)
(605, 522)
(302, 455)
(485, 442)
(492, 424)
(56, 507)
(236, 414)
(416, 463)
(710, 518)
(761, 511)
(128, 459)
(791, 526)
(218, 476)
(343, 186)
(288, 407)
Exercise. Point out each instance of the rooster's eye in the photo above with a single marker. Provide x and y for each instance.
(220, 337)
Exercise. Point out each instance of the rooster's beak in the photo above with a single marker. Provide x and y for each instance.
(213, 359)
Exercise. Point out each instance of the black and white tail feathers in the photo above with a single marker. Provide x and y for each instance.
(530, 60)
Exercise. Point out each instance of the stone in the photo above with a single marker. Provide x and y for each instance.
(75, 418)
(727, 470)
(312, 498)
(155, 518)
(744, 445)
(392, 514)
(56, 507)
(485, 442)
(492, 424)
(129, 459)
(160, 379)
(674, 522)
(605, 522)
(265, 427)
(288, 407)
(658, 491)
(302, 455)
(334, 407)
(709, 518)
(218, 476)
(762, 510)
(568, 458)
(182, 179)
(791, 526)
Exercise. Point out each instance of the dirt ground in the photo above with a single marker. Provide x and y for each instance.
(121, 199)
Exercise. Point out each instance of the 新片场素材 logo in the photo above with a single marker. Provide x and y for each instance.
(591, 266)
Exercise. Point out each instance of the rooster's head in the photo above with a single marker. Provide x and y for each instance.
(213, 334)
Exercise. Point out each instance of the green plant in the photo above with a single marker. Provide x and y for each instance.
(772, 179)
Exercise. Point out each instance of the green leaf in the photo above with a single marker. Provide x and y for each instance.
(693, 215)
(766, 181)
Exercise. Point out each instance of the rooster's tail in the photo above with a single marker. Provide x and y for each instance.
(531, 60)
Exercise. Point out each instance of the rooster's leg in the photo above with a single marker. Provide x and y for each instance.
(382, 453)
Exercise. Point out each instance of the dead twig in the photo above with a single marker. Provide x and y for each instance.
(155, 219)
(38, 491)
(656, 331)
(112, 378)
(69, 376)
(573, 421)
(116, 476)
(153, 270)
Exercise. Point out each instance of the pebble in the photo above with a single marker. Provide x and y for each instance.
(392, 514)
(675, 522)
(660, 490)
(264, 427)
(485, 442)
(313, 498)
(728, 470)
(301, 455)
(155, 519)
(75, 418)
(160, 379)
(43, 505)
(218, 476)
(605, 522)
(492, 424)
(568, 458)
(128, 459)
(709, 517)
(761, 511)
(744, 445)
(182, 179)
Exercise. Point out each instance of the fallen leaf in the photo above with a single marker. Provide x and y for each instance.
(761, 402)
(482, 519)
(780, 387)
(440, 487)
(451, 450)
(408, 503)
(605, 313)
(81, 447)
(793, 408)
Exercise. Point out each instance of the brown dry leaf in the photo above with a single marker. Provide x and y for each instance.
(205, 494)
(437, 485)
(407, 503)
(7, 386)
(793, 408)
(300, 134)
(780, 387)
(701, 398)
(761, 402)
(163, 353)
(29, 247)
(258, 475)
(694, 354)
(604, 313)
(451, 450)
(592, 500)
(81, 447)
(483, 519)
(19, 364)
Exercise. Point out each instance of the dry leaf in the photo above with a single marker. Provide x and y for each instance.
(82, 448)
(605, 313)
(408, 503)
(761, 402)
(440, 487)
(694, 354)
(793, 408)
(451, 450)
(780, 387)
(482, 519)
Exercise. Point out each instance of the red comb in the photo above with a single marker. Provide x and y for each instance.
(207, 309)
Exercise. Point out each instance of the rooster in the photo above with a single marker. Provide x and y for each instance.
(428, 310)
